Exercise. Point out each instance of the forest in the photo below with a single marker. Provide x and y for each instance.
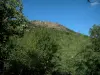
(44, 48)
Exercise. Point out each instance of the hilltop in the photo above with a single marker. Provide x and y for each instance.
(47, 24)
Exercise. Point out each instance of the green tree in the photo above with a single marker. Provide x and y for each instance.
(90, 61)
(12, 23)
(95, 37)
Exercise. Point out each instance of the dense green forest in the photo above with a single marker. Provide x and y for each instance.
(44, 48)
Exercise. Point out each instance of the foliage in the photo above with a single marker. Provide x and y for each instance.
(95, 37)
(44, 49)
(12, 23)
(33, 55)
(90, 61)
(11, 19)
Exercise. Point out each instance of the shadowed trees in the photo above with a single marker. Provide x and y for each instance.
(12, 22)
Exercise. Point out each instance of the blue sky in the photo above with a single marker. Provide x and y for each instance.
(78, 15)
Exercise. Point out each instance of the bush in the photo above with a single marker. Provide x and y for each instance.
(33, 55)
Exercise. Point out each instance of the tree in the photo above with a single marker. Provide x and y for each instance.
(95, 37)
(90, 61)
(12, 22)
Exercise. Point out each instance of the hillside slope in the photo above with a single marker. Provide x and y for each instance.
(69, 43)
(57, 26)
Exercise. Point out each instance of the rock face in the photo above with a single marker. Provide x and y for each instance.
(49, 25)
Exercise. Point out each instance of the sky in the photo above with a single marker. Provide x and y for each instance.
(77, 15)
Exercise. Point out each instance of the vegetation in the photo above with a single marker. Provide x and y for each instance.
(45, 51)
(11, 23)
(90, 64)
(44, 48)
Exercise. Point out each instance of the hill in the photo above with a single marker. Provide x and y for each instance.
(57, 26)
(69, 44)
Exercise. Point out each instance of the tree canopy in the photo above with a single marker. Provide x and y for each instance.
(12, 22)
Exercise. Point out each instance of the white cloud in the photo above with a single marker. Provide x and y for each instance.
(95, 3)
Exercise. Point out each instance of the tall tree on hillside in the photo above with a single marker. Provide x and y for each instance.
(95, 37)
(11, 23)
(90, 62)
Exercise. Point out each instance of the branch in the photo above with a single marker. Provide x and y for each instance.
(92, 1)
